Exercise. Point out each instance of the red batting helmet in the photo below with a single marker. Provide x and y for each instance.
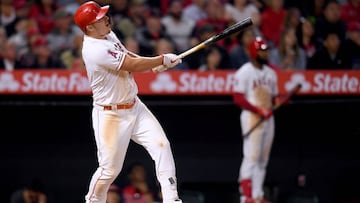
(88, 13)
(257, 44)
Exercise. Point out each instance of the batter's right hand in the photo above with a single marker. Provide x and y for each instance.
(265, 113)
(171, 60)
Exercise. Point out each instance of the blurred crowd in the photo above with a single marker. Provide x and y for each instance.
(303, 35)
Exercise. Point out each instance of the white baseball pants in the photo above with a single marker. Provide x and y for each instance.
(256, 152)
(113, 130)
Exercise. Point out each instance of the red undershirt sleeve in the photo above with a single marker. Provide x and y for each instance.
(240, 100)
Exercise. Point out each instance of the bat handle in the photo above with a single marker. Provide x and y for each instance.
(253, 127)
(192, 50)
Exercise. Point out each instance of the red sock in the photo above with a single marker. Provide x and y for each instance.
(245, 186)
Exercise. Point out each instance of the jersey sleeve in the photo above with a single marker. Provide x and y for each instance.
(111, 57)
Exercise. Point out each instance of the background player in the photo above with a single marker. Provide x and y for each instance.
(118, 114)
(254, 91)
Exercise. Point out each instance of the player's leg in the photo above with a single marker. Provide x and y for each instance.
(251, 155)
(260, 168)
(149, 133)
(112, 131)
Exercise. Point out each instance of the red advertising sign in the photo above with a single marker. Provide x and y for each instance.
(44, 82)
(177, 82)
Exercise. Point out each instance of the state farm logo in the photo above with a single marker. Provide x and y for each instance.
(8, 83)
(325, 82)
(193, 82)
(44, 82)
(163, 82)
(295, 79)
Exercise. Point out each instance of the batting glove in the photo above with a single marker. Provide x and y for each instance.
(265, 113)
(171, 60)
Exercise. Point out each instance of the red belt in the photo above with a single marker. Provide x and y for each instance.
(120, 106)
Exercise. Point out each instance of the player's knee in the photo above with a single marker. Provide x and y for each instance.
(262, 164)
(109, 174)
(255, 158)
(164, 143)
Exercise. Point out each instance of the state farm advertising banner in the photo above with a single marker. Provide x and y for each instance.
(176, 82)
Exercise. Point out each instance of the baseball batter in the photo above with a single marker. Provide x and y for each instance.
(254, 91)
(118, 115)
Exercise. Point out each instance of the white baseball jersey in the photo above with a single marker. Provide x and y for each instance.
(248, 77)
(108, 84)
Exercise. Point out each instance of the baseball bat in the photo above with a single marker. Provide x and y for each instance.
(291, 93)
(237, 27)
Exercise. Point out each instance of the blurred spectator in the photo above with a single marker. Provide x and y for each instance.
(163, 46)
(351, 11)
(32, 32)
(203, 34)
(292, 17)
(63, 3)
(196, 10)
(241, 9)
(305, 34)
(216, 16)
(21, 37)
(8, 13)
(72, 6)
(352, 44)
(40, 56)
(21, 8)
(212, 59)
(3, 35)
(165, 4)
(259, 4)
(313, 9)
(150, 33)
(33, 192)
(61, 38)
(330, 21)
(239, 55)
(138, 190)
(331, 56)
(132, 45)
(272, 22)
(177, 27)
(113, 194)
(237, 11)
(42, 11)
(138, 12)
(71, 58)
(124, 28)
(288, 55)
(8, 57)
(118, 10)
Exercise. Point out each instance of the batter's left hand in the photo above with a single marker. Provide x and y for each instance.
(171, 60)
